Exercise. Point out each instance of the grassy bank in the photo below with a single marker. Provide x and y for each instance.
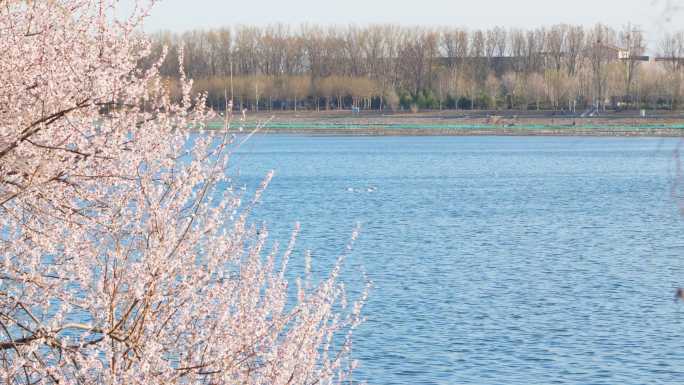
(461, 124)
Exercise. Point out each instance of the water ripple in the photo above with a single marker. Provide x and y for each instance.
(495, 260)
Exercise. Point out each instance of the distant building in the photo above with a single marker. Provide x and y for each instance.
(618, 53)
(679, 60)
(503, 64)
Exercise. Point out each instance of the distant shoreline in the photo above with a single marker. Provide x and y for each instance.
(474, 132)
(463, 123)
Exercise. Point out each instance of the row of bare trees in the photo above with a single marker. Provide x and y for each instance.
(389, 66)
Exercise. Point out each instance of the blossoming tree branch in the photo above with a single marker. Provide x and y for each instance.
(121, 262)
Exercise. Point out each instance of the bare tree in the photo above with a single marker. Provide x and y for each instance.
(575, 46)
(600, 51)
(413, 60)
(631, 39)
(556, 45)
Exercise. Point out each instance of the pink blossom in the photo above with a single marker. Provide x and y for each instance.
(117, 265)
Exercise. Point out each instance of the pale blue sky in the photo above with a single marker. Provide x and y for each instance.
(180, 15)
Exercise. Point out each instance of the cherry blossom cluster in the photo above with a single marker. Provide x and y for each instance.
(122, 260)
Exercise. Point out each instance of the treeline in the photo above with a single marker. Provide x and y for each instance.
(562, 67)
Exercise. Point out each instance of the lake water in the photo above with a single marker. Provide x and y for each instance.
(495, 260)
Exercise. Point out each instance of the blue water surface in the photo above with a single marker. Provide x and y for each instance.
(495, 260)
